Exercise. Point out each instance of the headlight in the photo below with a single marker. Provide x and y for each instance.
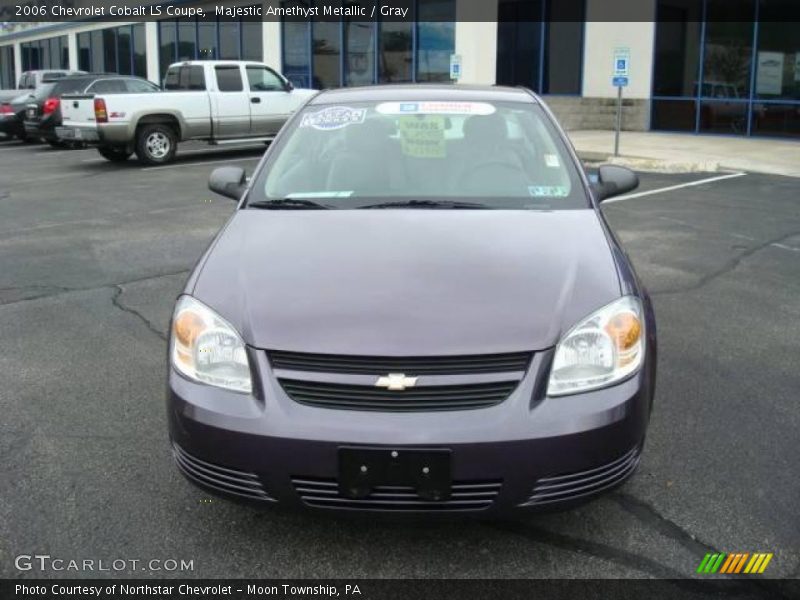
(204, 347)
(602, 349)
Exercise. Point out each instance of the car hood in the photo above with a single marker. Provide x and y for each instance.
(407, 282)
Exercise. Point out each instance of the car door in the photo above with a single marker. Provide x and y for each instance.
(271, 103)
(232, 103)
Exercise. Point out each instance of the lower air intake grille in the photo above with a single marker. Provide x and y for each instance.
(428, 398)
(221, 479)
(572, 486)
(419, 365)
(324, 493)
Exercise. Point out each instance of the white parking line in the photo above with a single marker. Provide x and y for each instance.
(674, 187)
(785, 247)
(196, 164)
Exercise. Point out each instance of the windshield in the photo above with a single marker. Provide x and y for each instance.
(421, 154)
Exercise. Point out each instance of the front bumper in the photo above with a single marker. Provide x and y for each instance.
(526, 453)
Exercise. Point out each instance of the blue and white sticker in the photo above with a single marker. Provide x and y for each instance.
(334, 117)
(548, 191)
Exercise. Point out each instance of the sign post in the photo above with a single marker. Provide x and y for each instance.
(622, 60)
(455, 67)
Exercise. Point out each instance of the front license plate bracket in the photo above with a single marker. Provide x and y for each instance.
(428, 472)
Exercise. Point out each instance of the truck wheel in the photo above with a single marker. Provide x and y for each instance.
(156, 144)
(57, 144)
(114, 153)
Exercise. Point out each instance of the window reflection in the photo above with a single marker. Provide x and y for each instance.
(49, 53)
(782, 120)
(723, 117)
(673, 115)
(394, 57)
(7, 70)
(677, 52)
(728, 48)
(359, 39)
(778, 58)
(168, 39)
(327, 54)
(435, 39)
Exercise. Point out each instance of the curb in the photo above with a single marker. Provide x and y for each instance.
(650, 165)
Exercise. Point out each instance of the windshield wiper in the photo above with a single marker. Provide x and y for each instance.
(427, 204)
(288, 203)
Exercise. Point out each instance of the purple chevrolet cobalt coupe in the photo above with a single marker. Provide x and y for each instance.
(417, 306)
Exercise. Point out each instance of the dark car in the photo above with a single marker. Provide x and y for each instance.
(43, 115)
(10, 122)
(13, 103)
(416, 307)
(12, 113)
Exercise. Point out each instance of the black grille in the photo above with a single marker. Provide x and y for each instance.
(381, 365)
(428, 398)
(572, 486)
(324, 493)
(221, 479)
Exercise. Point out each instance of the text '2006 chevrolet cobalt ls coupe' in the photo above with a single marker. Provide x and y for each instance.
(417, 306)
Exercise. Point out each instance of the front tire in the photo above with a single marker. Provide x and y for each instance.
(114, 153)
(156, 144)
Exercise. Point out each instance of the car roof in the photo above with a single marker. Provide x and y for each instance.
(425, 91)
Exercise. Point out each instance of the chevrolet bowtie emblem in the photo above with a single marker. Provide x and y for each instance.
(396, 382)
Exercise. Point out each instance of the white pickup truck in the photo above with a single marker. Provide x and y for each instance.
(216, 101)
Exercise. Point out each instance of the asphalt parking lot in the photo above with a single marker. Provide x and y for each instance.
(92, 255)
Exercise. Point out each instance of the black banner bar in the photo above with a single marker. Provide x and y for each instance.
(745, 588)
(61, 11)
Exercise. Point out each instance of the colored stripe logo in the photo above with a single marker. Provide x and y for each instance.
(734, 563)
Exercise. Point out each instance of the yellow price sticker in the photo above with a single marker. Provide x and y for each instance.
(422, 136)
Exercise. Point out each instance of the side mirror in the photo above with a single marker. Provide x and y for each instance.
(228, 181)
(289, 86)
(613, 180)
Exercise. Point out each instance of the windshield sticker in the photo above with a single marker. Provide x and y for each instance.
(423, 136)
(551, 160)
(435, 108)
(334, 117)
(548, 191)
(299, 195)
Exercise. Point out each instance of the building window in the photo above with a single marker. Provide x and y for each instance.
(50, 53)
(252, 40)
(84, 52)
(395, 60)
(540, 44)
(436, 39)
(726, 67)
(113, 50)
(359, 48)
(325, 54)
(296, 45)
(124, 51)
(676, 64)
(8, 75)
(209, 38)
